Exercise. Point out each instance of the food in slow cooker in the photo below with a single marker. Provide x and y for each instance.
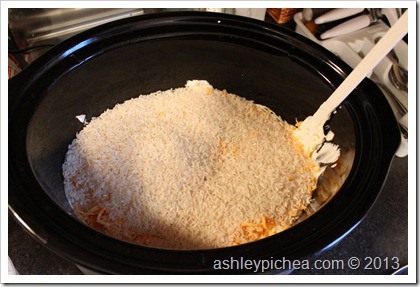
(188, 168)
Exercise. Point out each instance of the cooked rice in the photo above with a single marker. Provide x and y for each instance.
(188, 168)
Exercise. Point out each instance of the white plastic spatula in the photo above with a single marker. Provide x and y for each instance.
(311, 131)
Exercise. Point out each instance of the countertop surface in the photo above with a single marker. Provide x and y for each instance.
(381, 237)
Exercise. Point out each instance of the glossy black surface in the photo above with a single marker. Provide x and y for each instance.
(109, 64)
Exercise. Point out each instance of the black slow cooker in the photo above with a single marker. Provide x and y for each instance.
(109, 64)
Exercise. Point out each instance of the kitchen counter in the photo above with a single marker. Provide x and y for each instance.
(382, 234)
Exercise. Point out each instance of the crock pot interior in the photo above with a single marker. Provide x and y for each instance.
(291, 88)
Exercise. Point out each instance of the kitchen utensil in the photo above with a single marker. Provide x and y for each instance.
(398, 75)
(311, 131)
(349, 26)
(313, 13)
(106, 65)
(391, 14)
(337, 14)
(360, 22)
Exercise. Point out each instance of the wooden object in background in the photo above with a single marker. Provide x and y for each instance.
(283, 15)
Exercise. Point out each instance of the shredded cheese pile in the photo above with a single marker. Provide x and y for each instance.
(166, 170)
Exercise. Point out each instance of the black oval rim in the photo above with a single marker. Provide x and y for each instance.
(68, 237)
